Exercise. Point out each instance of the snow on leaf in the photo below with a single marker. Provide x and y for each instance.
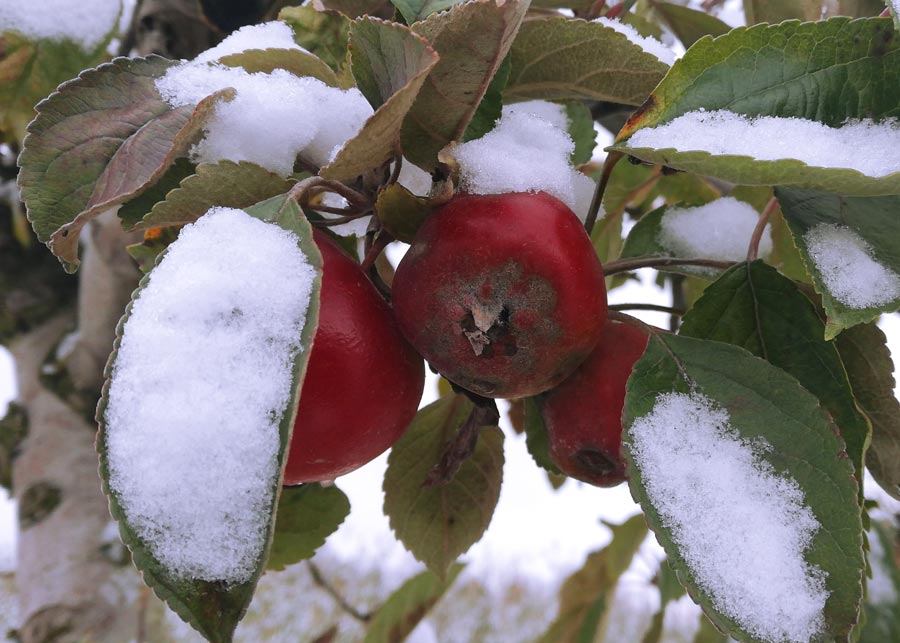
(100, 140)
(851, 248)
(562, 59)
(744, 480)
(223, 323)
(438, 523)
(296, 61)
(753, 306)
(472, 39)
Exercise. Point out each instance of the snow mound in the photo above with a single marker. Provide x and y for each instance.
(741, 527)
(85, 22)
(274, 117)
(721, 230)
(851, 273)
(772, 138)
(202, 377)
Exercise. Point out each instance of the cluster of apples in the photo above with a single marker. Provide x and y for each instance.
(504, 296)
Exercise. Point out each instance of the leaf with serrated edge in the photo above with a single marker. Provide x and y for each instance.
(753, 306)
(764, 403)
(561, 59)
(132, 212)
(871, 372)
(872, 218)
(299, 63)
(586, 595)
(827, 72)
(690, 25)
(214, 609)
(401, 212)
(437, 524)
(320, 32)
(307, 515)
(225, 184)
(415, 10)
(406, 607)
(99, 141)
(390, 64)
(472, 40)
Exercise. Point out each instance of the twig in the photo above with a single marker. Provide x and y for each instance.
(315, 184)
(662, 309)
(615, 315)
(611, 159)
(395, 173)
(626, 265)
(678, 300)
(753, 250)
(319, 579)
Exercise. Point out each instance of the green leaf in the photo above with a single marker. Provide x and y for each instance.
(224, 184)
(155, 241)
(707, 633)
(100, 140)
(775, 11)
(299, 63)
(472, 40)
(323, 34)
(581, 129)
(874, 219)
(562, 59)
(754, 307)
(215, 608)
(437, 524)
(690, 25)
(883, 596)
(401, 212)
(763, 404)
(31, 69)
(390, 64)
(415, 10)
(870, 369)
(132, 212)
(406, 607)
(307, 515)
(586, 595)
(827, 71)
(536, 439)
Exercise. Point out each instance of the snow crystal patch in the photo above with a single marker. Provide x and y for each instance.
(269, 35)
(201, 380)
(523, 153)
(721, 229)
(649, 44)
(772, 138)
(741, 527)
(274, 117)
(850, 272)
(86, 22)
(881, 588)
(553, 113)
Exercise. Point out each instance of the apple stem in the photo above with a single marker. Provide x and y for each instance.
(655, 307)
(611, 159)
(627, 265)
(302, 191)
(753, 249)
(462, 445)
(395, 172)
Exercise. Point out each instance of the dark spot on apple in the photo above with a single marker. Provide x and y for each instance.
(595, 462)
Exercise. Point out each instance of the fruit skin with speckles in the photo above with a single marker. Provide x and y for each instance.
(503, 294)
(583, 415)
(363, 382)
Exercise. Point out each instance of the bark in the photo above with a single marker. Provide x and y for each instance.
(70, 574)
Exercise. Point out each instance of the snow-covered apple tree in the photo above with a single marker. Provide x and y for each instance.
(229, 204)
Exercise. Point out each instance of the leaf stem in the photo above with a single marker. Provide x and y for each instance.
(319, 579)
(655, 307)
(462, 445)
(618, 316)
(395, 173)
(611, 159)
(753, 250)
(312, 185)
(627, 265)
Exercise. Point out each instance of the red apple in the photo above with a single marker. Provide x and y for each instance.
(503, 294)
(363, 381)
(583, 415)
